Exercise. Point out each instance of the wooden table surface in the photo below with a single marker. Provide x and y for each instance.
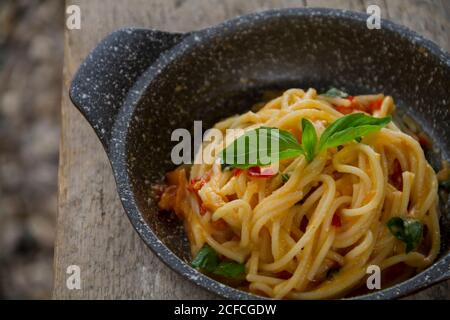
(92, 229)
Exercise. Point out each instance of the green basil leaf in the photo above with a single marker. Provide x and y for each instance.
(409, 231)
(414, 231)
(333, 92)
(265, 145)
(396, 226)
(343, 129)
(349, 134)
(259, 147)
(206, 259)
(309, 139)
(230, 269)
(285, 177)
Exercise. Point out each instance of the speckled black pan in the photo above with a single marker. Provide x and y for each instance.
(138, 85)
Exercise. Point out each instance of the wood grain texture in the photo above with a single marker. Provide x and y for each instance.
(93, 231)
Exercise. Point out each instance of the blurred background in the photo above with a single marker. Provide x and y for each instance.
(31, 59)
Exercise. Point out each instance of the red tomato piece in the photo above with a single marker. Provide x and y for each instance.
(344, 109)
(376, 105)
(336, 221)
(261, 172)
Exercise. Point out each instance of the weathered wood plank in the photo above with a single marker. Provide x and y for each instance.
(428, 18)
(355, 5)
(93, 231)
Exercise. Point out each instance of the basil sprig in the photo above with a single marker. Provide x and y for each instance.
(208, 260)
(309, 139)
(345, 129)
(410, 231)
(265, 145)
(350, 127)
(335, 93)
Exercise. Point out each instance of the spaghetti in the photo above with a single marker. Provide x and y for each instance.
(311, 229)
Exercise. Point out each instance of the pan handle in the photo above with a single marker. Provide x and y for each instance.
(105, 77)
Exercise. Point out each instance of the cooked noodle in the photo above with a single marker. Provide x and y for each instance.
(285, 231)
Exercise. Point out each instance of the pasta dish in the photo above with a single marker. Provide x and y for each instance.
(344, 189)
